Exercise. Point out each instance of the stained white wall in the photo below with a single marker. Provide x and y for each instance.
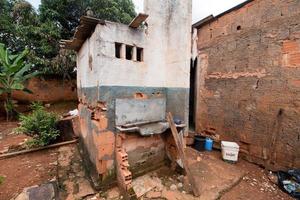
(166, 43)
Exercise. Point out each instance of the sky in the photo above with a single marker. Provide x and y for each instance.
(201, 8)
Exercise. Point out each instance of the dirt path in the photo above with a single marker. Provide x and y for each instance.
(30, 169)
(25, 171)
(64, 165)
(254, 185)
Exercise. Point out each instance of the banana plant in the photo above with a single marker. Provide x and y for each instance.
(14, 71)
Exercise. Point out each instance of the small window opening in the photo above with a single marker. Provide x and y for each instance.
(139, 54)
(93, 116)
(118, 47)
(129, 50)
(238, 28)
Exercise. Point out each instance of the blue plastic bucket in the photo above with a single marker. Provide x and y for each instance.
(209, 144)
(199, 143)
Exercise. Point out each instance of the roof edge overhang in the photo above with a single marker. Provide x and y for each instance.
(85, 29)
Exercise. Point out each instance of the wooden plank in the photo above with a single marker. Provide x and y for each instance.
(8, 155)
(138, 20)
(181, 153)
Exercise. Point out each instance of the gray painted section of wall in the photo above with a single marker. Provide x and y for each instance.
(177, 99)
(140, 110)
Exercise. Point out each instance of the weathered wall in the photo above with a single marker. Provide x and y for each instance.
(47, 90)
(248, 74)
(102, 78)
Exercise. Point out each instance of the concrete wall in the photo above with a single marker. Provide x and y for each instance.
(47, 90)
(102, 78)
(248, 74)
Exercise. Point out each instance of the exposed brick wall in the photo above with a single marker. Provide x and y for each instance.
(47, 90)
(249, 81)
(102, 146)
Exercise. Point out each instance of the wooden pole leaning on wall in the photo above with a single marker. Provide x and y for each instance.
(181, 153)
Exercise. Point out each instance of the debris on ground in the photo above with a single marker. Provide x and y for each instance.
(71, 174)
(144, 184)
(46, 191)
(242, 181)
(290, 182)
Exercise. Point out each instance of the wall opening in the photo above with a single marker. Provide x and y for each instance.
(139, 54)
(129, 52)
(118, 47)
(192, 101)
(238, 28)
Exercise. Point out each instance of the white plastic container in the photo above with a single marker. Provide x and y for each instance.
(230, 151)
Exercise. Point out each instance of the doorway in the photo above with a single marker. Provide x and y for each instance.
(192, 96)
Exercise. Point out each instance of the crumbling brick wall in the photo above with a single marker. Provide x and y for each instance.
(248, 87)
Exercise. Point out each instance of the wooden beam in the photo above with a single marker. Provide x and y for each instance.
(138, 20)
(8, 155)
(181, 153)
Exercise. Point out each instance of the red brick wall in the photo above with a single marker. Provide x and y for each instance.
(47, 90)
(249, 81)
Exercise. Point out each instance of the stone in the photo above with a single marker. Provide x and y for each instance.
(47, 105)
(85, 188)
(180, 178)
(22, 196)
(46, 192)
(5, 150)
(113, 193)
(153, 195)
(173, 187)
(144, 184)
(179, 185)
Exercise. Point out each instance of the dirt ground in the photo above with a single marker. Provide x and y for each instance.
(25, 171)
(254, 185)
(64, 164)
(29, 169)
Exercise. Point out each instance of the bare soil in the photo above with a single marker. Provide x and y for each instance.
(255, 185)
(30, 169)
(25, 171)
(39, 167)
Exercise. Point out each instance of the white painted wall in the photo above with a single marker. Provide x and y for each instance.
(166, 43)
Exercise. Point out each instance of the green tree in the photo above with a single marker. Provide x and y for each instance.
(23, 13)
(113, 10)
(6, 23)
(14, 71)
(21, 26)
(64, 13)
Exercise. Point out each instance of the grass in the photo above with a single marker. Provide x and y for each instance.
(2, 178)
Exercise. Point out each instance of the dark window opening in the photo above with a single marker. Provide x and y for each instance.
(238, 28)
(118, 47)
(93, 116)
(139, 54)
(129, 51)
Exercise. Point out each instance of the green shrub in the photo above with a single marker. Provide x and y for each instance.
(1, 179)
(40, 124)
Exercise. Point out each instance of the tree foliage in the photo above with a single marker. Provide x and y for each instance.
(21, 26)
(14, 71)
